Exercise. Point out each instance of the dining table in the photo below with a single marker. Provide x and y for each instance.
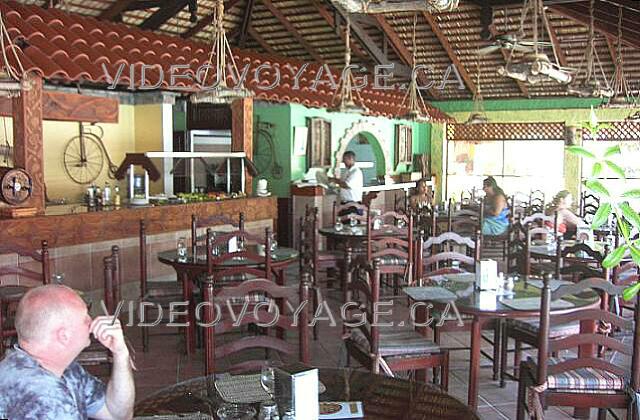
(484, 306)
(190, 267)
(382, 397)
(548, 251)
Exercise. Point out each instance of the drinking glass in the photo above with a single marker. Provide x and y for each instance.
(182, 249)
(338, 226)
(268, 379)
(352, 221)
(274, 242)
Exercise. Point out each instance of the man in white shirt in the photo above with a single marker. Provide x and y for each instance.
(351, 180)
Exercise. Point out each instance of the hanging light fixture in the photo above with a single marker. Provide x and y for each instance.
(417, 108)
(220, 93)
(478, 115)
(394, 6)
(343, 100)
(10, 76)
(622, 95)
(593, 84)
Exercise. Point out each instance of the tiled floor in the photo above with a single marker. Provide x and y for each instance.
(165, 364)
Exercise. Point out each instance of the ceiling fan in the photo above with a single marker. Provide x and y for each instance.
(390, 6)
(512, 43)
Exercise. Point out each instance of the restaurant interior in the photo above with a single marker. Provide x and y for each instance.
(319, 209)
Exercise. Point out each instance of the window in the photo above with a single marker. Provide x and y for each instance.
(404, 145)
(518, 165)
(319, 143)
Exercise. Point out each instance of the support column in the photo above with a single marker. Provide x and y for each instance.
(27, 137)
(242, 133)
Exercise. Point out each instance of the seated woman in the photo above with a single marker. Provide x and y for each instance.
(496, 210)
(568, 222)
(422, 196)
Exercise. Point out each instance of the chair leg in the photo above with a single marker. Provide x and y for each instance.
(315, 308)
(602, 414)
(444, 380)
(522, 393)
(517, 356)
(145, 332)
(497, 341)
(504, 346)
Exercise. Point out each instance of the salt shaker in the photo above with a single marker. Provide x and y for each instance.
(268, 411)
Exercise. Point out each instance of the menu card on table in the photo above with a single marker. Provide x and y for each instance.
(341, 410)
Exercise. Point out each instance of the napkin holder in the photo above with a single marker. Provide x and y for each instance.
(584, 233)
(486, 275)
(296, 386)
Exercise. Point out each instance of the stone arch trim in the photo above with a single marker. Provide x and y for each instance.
(369, 127)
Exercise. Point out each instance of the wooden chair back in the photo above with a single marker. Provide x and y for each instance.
(255, 263)
(308, 240)
(536, 202)
(112, 280)
(142, 248)
(209, 221)
(465, 221)
(41, 256)
(355, 210)
(589, 338)
(517, 249)
(589, 205)
(217, 324)
(437, 255)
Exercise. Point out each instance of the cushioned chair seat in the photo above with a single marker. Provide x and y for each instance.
(584, 380)
(533, 326)
(395, 342)
(392, 260)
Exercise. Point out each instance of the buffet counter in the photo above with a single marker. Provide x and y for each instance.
(79, 240)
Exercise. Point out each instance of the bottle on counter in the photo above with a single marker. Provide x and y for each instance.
(98, 195)
(106, 194)
(90, 197)
(116, 196)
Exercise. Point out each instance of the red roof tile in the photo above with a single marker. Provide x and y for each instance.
(73, 48)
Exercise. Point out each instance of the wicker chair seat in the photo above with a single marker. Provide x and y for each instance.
(394, 342)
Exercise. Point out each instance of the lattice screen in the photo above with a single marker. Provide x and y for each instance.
(621, 131)
(506, 131)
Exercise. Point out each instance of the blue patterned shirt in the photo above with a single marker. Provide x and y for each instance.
(28, 391)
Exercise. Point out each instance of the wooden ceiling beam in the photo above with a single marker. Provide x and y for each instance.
(607, 28)
(50, 4)
(292, 30)
(444, 42)
(166, 12)
(328, 17)
(402, 50)
(202, 23)
(555, 41)
(246, 22)
(115, 9)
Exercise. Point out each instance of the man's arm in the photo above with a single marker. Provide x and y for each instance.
(121, 389)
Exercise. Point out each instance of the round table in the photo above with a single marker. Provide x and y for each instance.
(189, 269)
(485, 305)
(382, 397)
(549, 252)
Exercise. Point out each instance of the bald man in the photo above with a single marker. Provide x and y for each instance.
(39, 378)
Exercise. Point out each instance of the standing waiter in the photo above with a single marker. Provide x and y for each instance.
(351, 180)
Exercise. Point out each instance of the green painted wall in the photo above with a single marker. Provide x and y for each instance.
(571, 111)
(288, 116)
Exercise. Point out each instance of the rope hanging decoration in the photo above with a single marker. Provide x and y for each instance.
(11, 71)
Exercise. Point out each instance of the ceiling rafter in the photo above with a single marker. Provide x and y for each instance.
(115, 9)
(555, 41)
(261, 41)
(328, 17)
(246, 22)
(402, 50)
(444, 42)
(292, 30)
(607, 28)
(505, 55)
(166, 12)
(202, 23)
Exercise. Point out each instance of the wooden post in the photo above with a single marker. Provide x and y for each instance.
(27, 137)
(242, 133)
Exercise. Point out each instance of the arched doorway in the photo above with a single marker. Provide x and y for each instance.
(370, 157)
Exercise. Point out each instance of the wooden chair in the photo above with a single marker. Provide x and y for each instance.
(238, 345)
(495, 243)
(390, 241)
(96, 355)
(314, 260)
(210, 221)
(255, 253)
(156, 292)
(519, 202)
(386, 349)
(536, 202)
(11, 291)
(583, 381)
(465, 221)
(589, 205)
(516, 248)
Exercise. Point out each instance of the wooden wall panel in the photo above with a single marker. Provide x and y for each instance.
(242, 132)
(85, 228)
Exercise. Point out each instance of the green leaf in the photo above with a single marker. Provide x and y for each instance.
(615, 257)
(635, 193)
(613, 150)
(635, 254)
(601, 215)
(615, 168)
(597, 168)
(603, 126)
(581, 151)
(597, 187)
(624, 227)
(630, 214)
(631, 291)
